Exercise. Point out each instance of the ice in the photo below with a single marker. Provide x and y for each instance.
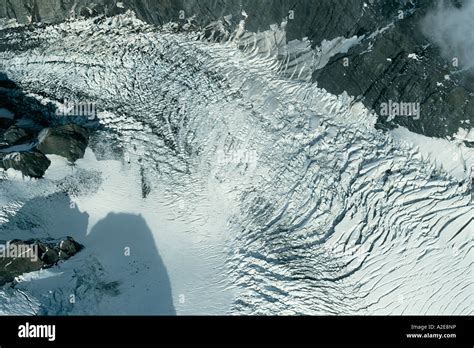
(334, 216)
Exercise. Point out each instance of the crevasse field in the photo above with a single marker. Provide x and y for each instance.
(222, 181)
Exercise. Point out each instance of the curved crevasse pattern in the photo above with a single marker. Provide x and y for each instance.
(326, 214)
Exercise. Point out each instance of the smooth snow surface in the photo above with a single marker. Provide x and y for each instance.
(453, 156)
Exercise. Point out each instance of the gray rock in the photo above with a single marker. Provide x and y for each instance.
(50, 257)
(32, 164)
(10, 267)
(68, 248)
(69, 141)
(380, 70)
(14, 135)
(370, 77)
(35, 255)
(5, 123)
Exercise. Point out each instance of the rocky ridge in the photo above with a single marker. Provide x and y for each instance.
(35, 255)
(392, 59)
(29, 131)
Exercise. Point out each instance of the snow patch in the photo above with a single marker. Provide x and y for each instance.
(452, 156)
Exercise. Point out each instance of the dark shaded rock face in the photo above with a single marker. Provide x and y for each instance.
(68, 248)
(69, 141)
(400, 65)
(14, 135)
(318, 20)
(380, 69)
(30, 163)
(10, 267)
(20, 257)
(25, 141)
(5, 123)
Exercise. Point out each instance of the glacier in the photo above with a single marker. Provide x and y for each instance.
(331, 216)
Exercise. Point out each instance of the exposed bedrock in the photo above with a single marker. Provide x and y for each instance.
(397, 64)
(69, 141)
(29, 131)
(19, 257)
(29, 163)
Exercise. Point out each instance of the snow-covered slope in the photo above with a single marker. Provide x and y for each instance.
(258, 192)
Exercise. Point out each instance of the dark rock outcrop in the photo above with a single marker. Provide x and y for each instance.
(67, 248)
(69, 141)
(30, 163)
(10, 267)
(400, 65)
(370, 75)
(380, 67)
(25, 141)
(19, 257)
(5, 123)
(15, 135)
